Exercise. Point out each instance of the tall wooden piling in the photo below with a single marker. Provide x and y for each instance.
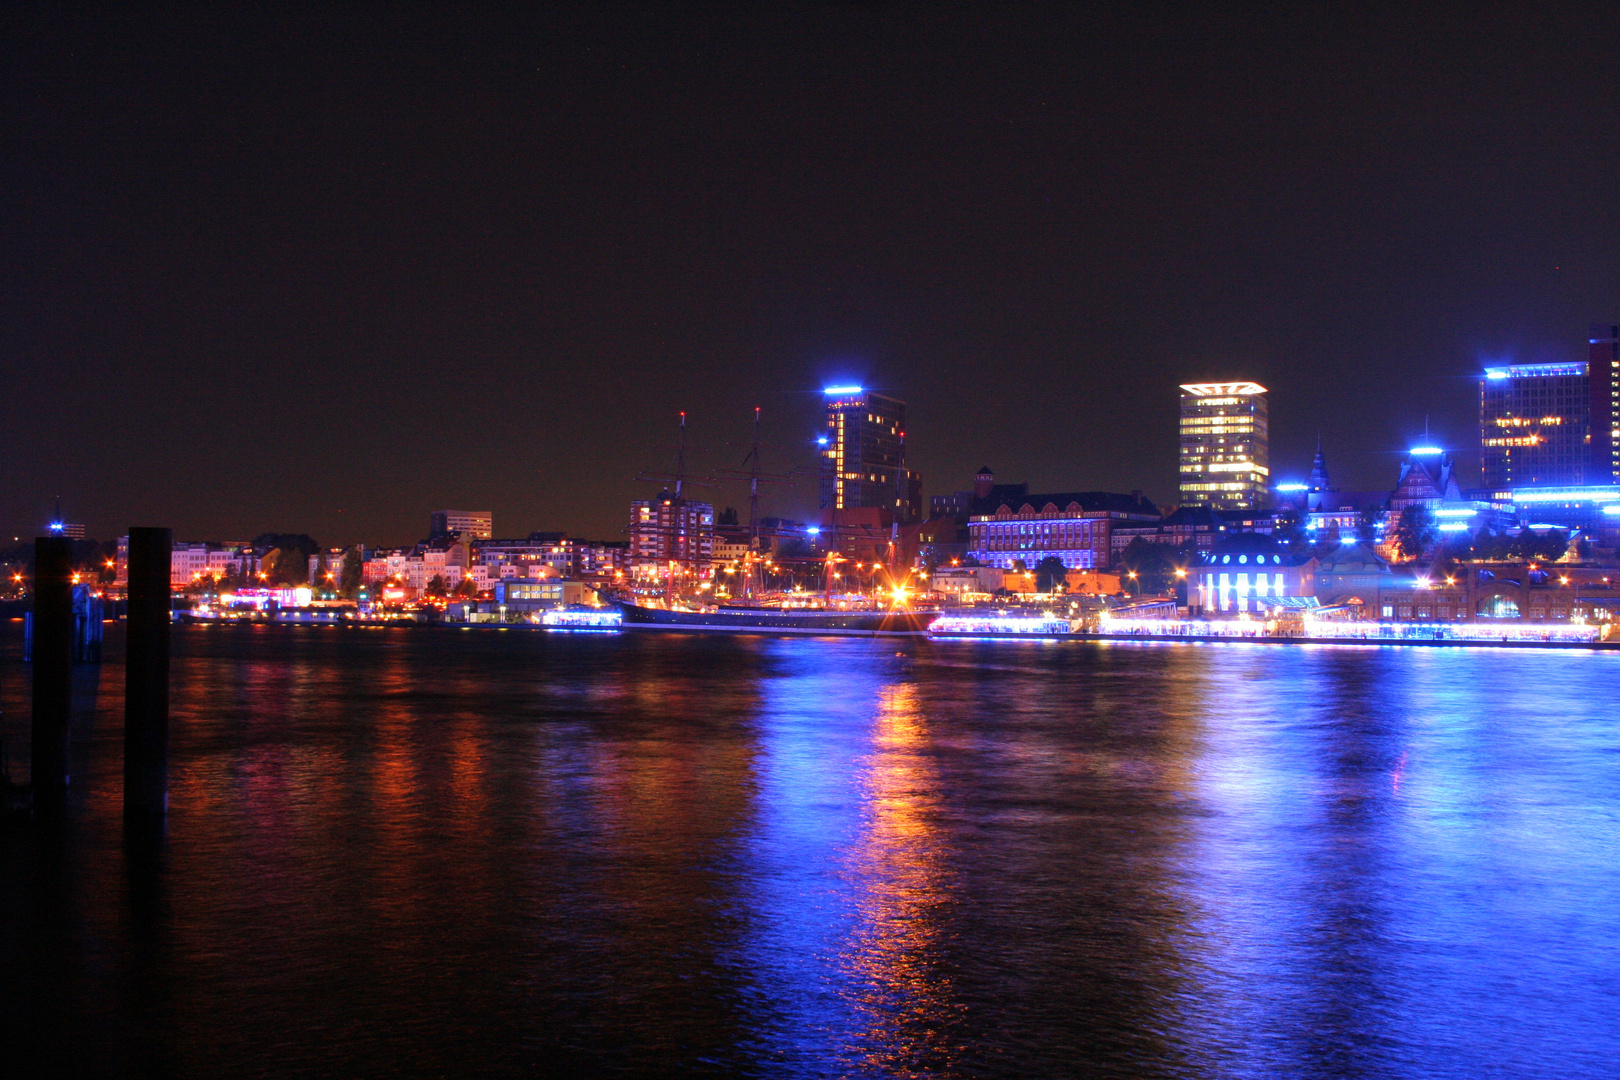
(146, 678)
(52, 653)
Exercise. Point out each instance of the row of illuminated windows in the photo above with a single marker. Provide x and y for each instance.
(1525, 421)
(1220, 487)
(1231, 424)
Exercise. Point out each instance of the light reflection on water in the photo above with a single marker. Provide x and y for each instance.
(410, 852)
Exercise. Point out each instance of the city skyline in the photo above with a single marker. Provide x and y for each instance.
(496, 284)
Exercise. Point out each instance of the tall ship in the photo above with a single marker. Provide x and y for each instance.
(872, 622)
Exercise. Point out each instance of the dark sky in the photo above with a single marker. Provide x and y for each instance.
(327, 271)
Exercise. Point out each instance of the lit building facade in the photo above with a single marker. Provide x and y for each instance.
(191, 562)
(1603, 373)
(1535, 425)
(863, 454)
(1247, 583)
(1074, 527)
(1225, 440)
(670, 533)
(479, 524)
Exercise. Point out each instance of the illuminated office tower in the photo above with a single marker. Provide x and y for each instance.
(864, 454)
(1225, 457)
(1534, 426)
(1603, 371)
(479, 524)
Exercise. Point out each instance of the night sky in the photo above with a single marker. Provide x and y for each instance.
(327, 271)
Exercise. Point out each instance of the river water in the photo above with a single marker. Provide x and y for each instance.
(430, 852)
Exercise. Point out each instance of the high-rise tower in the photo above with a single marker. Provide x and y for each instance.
(864, 453)
(1225, 455)
(1535, 426)
(1603, 372)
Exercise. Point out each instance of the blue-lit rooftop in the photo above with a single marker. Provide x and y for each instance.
(1534, 371)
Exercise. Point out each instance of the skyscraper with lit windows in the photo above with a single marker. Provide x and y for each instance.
(1225, 446)
(1535, 426)
(863, 451)
(1603, 373)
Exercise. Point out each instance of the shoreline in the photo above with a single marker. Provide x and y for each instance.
(1201, 639)
(1270, 639)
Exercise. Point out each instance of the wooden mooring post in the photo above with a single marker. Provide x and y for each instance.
(146, 675)
(52, 655)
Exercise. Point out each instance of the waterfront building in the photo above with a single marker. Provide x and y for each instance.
(540, 554)
(535, 594)
(1590, 511)
(1191, 528)
(1247, 583)
(413, 569)
(597, 559)
(475, 524)
(1428, 479)
(191, 561)
(1225, 439)
(1075, 527)
(965, 584)
(954, 505)
(188, 562)
(1356, 580)
(333, 560)
(730, 549)
(1603, 374)
(1535, 425)
(670, 534)
(863, 452)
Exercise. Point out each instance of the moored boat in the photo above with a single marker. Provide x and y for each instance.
(777, 620)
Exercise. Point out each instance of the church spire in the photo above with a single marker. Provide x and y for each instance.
(1319, 473)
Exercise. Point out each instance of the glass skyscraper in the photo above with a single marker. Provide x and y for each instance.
(863, 452)
(1603, 370)
(1225, 456)
(1534, 426)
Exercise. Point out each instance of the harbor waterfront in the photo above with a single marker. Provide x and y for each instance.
(392, 847)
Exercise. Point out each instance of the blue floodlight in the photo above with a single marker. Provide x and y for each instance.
(1426, 451)
(839, 391)
(1611, 509)
(814, 530)
(1457, 512)
(1496, 373)
(822, 441)
(1293, 487)
(56, 526)
(1566, 495)
(1453, 526)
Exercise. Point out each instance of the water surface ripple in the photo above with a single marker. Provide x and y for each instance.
(414, 852)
